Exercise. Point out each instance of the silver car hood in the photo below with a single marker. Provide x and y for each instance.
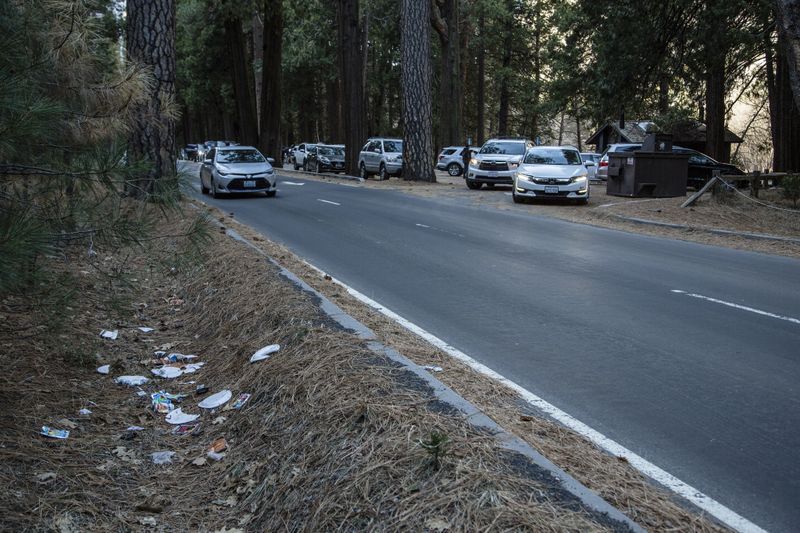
(553, 171)
(244, 168)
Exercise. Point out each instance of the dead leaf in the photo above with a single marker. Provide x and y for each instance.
(45, 477)
(219, 445)
(526, 418)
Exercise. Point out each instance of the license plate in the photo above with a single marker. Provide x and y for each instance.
(551, 189)
(492, 174)
(252, 183)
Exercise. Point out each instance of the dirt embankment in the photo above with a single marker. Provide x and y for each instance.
(332, 436)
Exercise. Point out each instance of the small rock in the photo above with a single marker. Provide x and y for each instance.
(45, 477)
(200, 461)
(147, 521)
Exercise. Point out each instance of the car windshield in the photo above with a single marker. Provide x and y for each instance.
(393, 146)
(504, 148)
(240, 156)
(330, 150)
(552, 156)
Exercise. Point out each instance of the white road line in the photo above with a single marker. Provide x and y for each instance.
(737, 306)
(291, 183)
(327, 201)
(422, 225)
(708, 504)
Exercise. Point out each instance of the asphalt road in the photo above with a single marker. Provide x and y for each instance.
(588, 319)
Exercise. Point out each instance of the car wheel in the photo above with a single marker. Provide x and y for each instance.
(305, 166)
(203, 188)
(517, 199)
(383, 174)
(214, 192)
(473, 185)
(270, 194)
(362, 171)
(296, 166)
(454, 169)
(582, 201)
(318, 168)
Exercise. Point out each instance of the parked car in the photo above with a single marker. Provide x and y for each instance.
(550, 172)
(235, 169)
(591, 161)
(496, 162)
(189, 152)
(602, 165)
(326, 157)
(452, 160)
(381, 156)
(300, 155)
(702, 167)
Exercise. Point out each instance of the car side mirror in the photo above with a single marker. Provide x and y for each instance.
(271, 160)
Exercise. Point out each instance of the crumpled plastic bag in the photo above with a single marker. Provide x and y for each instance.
(264, 352)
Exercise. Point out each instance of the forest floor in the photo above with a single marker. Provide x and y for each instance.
(736, 212)
(332, 435)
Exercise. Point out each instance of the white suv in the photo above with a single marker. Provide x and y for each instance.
(380, 156)
(300, 153)
(496, 162)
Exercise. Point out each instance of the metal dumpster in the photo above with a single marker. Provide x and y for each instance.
(654, 172)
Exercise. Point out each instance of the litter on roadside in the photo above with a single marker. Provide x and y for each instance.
(162, 458)
(433, 368)
(105, 369)
(186, 429)
(178, 417)
(47, 431)
(239, 402)
(215, 400)
(216, 456)
(109, 334)
(135, 428)
(45, 477)
(145, 329)
(191, 368)
(131, 381)
(161, 402)
(201, 389)
(84, 412)
(265, 352)
(219, 445)
(167, 372)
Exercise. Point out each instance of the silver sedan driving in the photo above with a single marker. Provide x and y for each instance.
(236, 169)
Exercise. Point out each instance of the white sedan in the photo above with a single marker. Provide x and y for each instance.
(551, 172)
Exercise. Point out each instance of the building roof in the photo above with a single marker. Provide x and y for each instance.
(636, 130)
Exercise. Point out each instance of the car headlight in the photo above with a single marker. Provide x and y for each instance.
(221, 172)
(579, 179)
(525, 177)
(513, 165)
(473, 162)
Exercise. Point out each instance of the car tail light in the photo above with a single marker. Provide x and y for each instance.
(603, 163)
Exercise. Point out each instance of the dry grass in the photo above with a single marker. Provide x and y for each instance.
(329, 440)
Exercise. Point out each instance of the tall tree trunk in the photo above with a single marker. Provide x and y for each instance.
(505, 91)
(787, 142)
(445, 21)
(415, 57)
(789, 31)
(715, 110)
(270, 139)
(481, 89)
(258, 60)
(150, 41)
(247, 127)
(772, 97)
(352, 57)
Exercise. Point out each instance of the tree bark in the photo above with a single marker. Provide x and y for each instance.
(415, 57)
(715, 56)
(258, 60)
(787, 153)
(270, 139)
(352, 65)
(481, 89)
(246, 127)
(788, 19)
(150, 41)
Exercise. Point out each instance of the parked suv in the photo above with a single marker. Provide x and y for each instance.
(452, 160)
(496, 162)
(300, 155)
(381, 156)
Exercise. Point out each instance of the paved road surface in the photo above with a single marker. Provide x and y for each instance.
(588, 319)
